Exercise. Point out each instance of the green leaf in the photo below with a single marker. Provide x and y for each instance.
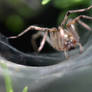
(25, 89)
(44, 2)
(65, 4)
(8, 81)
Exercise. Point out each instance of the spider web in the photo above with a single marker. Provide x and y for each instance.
(33, 59)
(54, 74)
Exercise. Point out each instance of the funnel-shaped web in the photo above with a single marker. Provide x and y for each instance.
(54, 74)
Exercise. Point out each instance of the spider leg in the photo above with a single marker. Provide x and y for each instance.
(34, 37)
(66, 54)
(29, 28)
(77, 19)
(73, 11)
(46, 38)
(84, 25)
(81, 47)
(72, 29)
(43, 41)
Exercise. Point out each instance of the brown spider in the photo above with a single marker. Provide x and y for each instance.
(61, 38)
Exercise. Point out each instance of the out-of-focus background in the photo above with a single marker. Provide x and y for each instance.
(17, 15)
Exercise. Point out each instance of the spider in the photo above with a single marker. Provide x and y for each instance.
(62, 38)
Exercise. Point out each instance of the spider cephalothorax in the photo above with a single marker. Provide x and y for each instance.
(63, 38)
(69, 42)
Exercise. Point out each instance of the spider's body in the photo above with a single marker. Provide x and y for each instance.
(61, 39)
(69, 40)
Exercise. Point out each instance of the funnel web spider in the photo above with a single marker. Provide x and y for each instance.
(63, 38)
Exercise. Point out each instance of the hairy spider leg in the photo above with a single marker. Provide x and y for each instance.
(34, 37)
(28, 29)
(43, 41)
(73, 11)
(45, 38)
(66, 54)
(81, 47)
(72, 29)
(77, 19)
(84, 25)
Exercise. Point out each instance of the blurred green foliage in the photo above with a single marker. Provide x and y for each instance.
(16, 13)
(14, 23)
(44, 2)
(63, 4)
(25, 89)
(13, 13)
(7, 78)
(22, 8)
